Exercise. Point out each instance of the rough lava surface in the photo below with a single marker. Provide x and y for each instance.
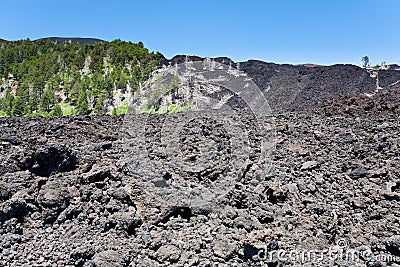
(66, 197)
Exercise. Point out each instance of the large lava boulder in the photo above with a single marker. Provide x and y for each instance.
(50, 159)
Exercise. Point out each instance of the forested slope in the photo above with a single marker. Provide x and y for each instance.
(45, 77)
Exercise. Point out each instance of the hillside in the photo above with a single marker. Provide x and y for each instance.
(64, 76)
(56, 76)
(299, 87)
(304, 87)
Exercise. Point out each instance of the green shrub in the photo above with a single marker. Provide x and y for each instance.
(56, 111)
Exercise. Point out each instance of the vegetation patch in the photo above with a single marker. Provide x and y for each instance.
(40, 78)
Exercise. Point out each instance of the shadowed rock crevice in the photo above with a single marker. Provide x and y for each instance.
(50, 159)
(182, 212)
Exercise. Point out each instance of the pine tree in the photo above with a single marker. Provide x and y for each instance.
(9, 102)
(18, 108)
(47, 100)
(6, 102)
(99, 107)
(82, 105)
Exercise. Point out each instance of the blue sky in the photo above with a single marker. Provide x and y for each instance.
(281, 31)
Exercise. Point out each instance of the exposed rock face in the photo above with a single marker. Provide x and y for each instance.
(298, 87)
(335, 184)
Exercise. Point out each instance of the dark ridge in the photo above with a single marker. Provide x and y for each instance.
(75, 40)
(178, 59)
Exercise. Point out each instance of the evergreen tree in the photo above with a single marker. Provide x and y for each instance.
(47, 100)
(9, 100)
(18, 108)
(99, 106)
(6, 102)
(76, 89)
(82, 105)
